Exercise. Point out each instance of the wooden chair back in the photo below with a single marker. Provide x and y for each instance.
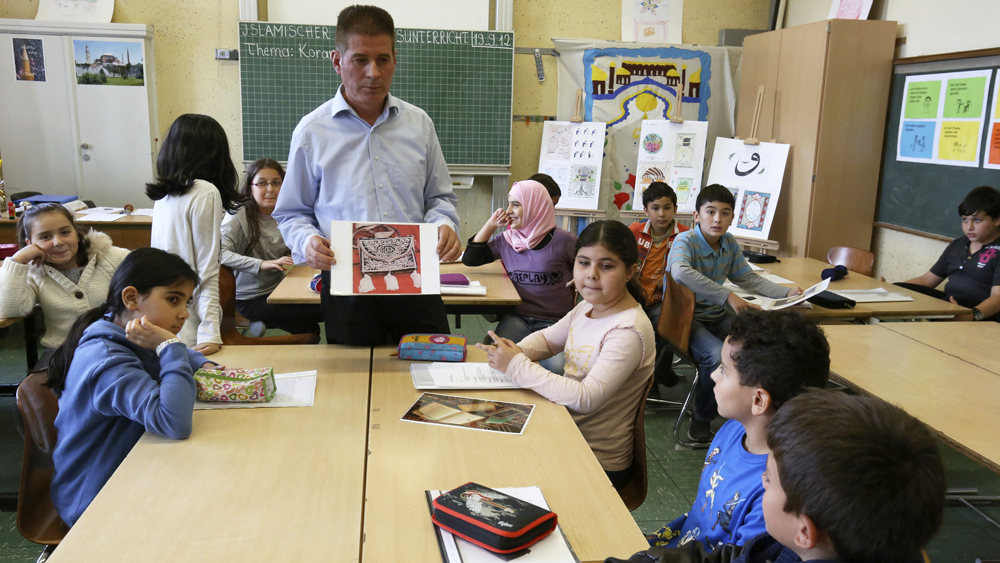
(854, 259)
(230, 334)
(633, 493)
(37, 518)
(676, 314)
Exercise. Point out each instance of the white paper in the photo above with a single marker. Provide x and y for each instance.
(294, 389)
(572, 153)
(774, 278)
(346, 277)
(770, 304)
(92, 11)
(103, 217)
(850, 9)
(877, 295)
(553, 549)
(940, 122)
(459, 375)
(673, 153)
(754, 173)
(474, 288)
(108, 210)
(652, 21)
(143, 212)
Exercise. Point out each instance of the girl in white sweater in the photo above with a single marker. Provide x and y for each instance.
(609, 346)
(196, 183)
(59, 267)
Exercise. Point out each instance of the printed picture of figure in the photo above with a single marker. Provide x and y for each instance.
(583, 181)
(386, 259)
(29, 60)
(919, 144)
(684, 157)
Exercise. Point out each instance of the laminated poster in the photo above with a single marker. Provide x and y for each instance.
(572, 154)
(384, 259)
(673, 153)
(993, 145)
(754, 174)
(942, 118)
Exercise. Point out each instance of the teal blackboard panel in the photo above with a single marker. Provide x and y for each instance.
(925, 197)
(462, 79)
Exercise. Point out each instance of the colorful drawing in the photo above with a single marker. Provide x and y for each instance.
(753, 212)
(850, 9)
(29, 59)
(583, 181)
(652, 143)
(917, 139)
(959, 141)
(475, 414)
(683, 190)
(558, 141)
(964, 97)
(386, 251)
(684, 157)
(994, 159)
(922, 99)
(112, 63)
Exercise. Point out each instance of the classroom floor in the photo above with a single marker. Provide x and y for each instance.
(673, 475)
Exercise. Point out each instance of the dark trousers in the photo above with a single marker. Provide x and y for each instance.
(294, 319)
(374, 320)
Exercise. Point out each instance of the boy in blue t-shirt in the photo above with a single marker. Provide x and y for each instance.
(971, 263)
(702, 259)
(849, 478)
(768, 358)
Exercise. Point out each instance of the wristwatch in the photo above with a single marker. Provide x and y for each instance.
(169, 341)
(977, 315)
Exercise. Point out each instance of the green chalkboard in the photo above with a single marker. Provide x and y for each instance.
(462, 79)
(925, 197)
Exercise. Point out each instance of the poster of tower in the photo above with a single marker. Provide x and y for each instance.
(673, 153)
(110, 63)
(29, 59)
(572, 154)
(384, 259)
(754, 174)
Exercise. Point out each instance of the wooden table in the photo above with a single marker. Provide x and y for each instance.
(129, 232)
(957, 399)
(282, 484)
(976, 343)
(500, 293)
(408, 458)
(806, 272)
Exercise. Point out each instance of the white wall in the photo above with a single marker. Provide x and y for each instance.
(930, 27)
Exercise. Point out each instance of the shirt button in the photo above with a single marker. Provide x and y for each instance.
(386, 214)
(376, 158)
(381, 185)
(78, 295)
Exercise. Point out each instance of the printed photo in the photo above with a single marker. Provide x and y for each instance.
(29, 60)
(464, 412)
(386, 259)
(109, 63)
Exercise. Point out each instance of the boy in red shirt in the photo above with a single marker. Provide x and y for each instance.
(654, 238)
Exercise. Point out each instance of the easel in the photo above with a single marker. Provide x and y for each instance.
(578, 108)
(749, 243)
(676, 118)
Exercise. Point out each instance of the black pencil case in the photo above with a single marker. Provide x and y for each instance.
(831, 300)
(759, 257)
(492, 520)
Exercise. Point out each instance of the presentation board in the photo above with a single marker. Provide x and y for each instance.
(462, 79)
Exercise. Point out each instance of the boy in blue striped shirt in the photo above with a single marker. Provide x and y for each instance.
(702, 259)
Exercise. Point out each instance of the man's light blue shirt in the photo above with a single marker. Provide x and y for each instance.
(342, 169)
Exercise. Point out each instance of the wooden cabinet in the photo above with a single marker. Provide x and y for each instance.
(826, 94)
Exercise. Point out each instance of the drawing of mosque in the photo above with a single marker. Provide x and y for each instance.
(604, 82)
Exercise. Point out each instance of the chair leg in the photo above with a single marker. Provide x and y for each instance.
(44, 555)
(683, 441)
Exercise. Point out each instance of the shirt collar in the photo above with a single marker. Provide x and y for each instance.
(648, 229)
(340, 105)
(706, 249)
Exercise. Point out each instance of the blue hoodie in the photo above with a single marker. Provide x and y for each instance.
(115, 391)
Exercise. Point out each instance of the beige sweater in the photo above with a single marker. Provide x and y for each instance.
(609, 361)
(22, 286)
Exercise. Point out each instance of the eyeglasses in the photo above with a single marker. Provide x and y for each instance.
(262, 184)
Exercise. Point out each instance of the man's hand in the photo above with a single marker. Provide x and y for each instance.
(449, 248)
(278, 265)
(499, 357)
(795, 291)
(319, 255)
(738, 304)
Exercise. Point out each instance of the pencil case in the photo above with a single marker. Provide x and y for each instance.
(492, 520)
(432, 347)
(235, 385)
(831, 300)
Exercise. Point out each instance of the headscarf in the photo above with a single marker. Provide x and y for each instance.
(538, 215)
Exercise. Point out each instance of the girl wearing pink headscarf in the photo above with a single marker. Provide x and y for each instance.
(538, 257)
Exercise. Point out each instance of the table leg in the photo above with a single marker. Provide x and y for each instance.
(30, 342)
(458, 320)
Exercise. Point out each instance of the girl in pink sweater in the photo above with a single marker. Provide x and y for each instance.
(609, 346)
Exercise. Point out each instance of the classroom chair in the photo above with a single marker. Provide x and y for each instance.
(674, 327)
(230, 334)
(633, 493)
(37, 518)
(854, 259)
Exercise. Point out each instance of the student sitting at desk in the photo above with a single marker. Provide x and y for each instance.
(702, 259)
(538, 257)
(252, 245)
(60, 267)
(608, 343)
(971, 263)
(550, 185)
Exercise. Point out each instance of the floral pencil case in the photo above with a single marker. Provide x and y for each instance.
(432, 347)
(235, 385)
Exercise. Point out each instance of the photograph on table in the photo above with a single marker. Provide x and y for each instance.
(754, 174)
(673, 153)
(465, 412)
(385, 259)
(572, 154)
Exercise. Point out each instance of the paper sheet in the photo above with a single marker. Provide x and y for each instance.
(108, 210)
(877, 295)
(553, 549)
(295, 389)
(474, 288)
(769, 304)
(455, 375)
(103, 217)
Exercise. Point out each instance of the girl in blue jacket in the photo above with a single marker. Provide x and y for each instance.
(122, 371)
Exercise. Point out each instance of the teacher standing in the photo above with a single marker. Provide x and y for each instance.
(366, 155)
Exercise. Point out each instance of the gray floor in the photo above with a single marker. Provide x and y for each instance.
(673, 475)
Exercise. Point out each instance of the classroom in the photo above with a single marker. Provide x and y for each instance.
(328, 492)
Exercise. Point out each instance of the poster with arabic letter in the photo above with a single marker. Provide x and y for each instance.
(993, 145)
(942, 118)
(384, 259)
(673, 153)
(754, 174)
(572, 154)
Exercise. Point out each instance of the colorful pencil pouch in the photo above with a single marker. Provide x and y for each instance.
(432, 347)
(235, 385)
(492, 520)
